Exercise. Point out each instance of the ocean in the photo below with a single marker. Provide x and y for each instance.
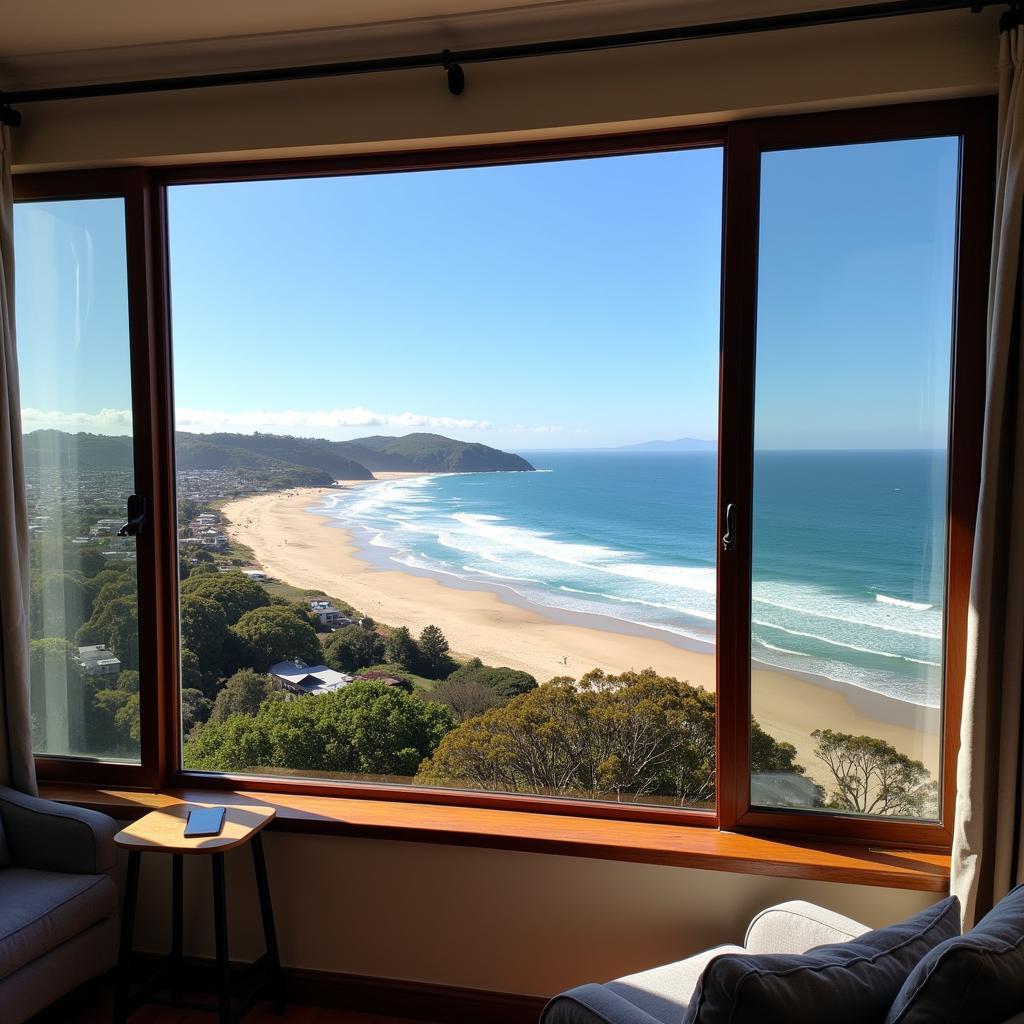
(849, 550)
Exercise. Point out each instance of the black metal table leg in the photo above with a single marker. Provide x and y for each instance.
(177, 903)
(276, 982)
(122, 997)
(220, 925)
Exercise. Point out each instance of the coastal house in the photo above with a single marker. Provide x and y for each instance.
(328, 616)
(296, 677)
(785, 233)
(97, 660)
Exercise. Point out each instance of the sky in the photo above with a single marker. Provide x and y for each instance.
(571, 304)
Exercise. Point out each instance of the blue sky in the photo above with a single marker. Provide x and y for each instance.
(568, 304)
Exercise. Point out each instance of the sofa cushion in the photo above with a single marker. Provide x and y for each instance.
(978, 976)
(5, 850)
(847, 983)
(41, 909)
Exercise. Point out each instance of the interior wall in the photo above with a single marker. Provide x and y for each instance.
(911, 58)
(488, 919)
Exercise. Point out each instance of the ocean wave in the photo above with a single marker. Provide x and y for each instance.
(621, 598)
(838, 643)
(783, 650)
(917, 606)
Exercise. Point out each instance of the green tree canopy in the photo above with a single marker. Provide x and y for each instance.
(352, 648)
(401, 649)
(507, 682)
(365, 728)
(204, 632)
(242, 694)
(195, 709)
(633, 736)
(873, 777)
(464, 697)
(434, 659)
(115, 624)
(268, 635)
(235, 593)
(59, 602)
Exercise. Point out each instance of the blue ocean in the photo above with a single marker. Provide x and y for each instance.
(849, 550)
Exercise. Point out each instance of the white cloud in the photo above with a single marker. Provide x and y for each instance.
(106, 421)
(521, 428)
(295, 421)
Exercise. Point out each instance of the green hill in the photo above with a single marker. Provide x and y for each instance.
(430, 453)
(289, 461)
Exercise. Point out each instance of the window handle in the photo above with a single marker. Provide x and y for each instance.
(138, 510)
(729, 537)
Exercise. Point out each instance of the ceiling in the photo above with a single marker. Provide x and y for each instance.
(52, 26)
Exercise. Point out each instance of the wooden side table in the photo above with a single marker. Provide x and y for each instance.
(162, 831)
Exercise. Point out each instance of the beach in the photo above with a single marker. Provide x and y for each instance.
(305, 550)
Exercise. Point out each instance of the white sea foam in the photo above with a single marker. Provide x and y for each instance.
(918, 606)
(783, 650)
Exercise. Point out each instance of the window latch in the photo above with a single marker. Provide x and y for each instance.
(729, 537)
(138, 511)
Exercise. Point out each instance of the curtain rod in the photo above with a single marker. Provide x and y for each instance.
(451, 61)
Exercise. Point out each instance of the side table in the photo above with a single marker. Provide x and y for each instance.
(162, 831)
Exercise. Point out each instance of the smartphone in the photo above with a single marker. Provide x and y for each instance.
(204, 821)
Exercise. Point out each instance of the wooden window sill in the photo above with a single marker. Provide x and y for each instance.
(642, 842)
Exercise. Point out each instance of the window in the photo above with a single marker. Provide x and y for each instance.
(76, 389)
(703, 402)
(495, 363)
(854, 334)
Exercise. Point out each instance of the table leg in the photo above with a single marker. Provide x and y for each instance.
(177, 904)
(269, 931)
(220, 924)
(122, 996)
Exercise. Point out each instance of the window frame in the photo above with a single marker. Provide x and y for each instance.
(145, 192)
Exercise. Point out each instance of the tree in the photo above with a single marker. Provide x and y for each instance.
(235, 593)
(465, 697)
(59, 602)
(128, 680)
(401, 649)
(365, 728)
(242, 694)
(434, 659)
(873, 777)
(268, 635)
(204, 632)
(191, 670)
(627, 737)
(507, 682)
(115, 624)
(195, 709)
(352, 648)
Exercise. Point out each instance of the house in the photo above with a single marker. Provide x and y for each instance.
(329, 616)
(97, 660)
(254, 574)
(299, 678)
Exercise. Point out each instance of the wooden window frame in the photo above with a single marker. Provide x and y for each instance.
(145, 192)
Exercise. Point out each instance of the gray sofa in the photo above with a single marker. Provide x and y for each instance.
(58, 901)
(663, 995)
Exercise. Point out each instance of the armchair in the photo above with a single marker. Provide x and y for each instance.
(58, 901)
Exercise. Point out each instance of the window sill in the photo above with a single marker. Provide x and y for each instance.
(641, 842)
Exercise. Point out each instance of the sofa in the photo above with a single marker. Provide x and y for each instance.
(58, 901)
(799, 962)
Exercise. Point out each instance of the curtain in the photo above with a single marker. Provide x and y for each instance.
(17, 768)
(987, 849)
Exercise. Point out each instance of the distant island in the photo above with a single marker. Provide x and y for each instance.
(682, 444)
(281, 459)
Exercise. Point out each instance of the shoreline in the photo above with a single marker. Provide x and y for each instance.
(289, 540)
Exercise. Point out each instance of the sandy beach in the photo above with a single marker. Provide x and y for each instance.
(305, 550)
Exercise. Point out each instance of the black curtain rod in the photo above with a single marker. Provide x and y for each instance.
(451, 61)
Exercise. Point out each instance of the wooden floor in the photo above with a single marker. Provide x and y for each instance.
(261, 1014)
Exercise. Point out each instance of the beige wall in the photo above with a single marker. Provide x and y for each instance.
(489, 919)
(857, 64)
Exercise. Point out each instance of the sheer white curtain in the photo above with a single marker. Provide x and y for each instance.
(16, 766)
(987, 848)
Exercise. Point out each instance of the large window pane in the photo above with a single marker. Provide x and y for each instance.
(850, 471)
(75, 368)
(367, 371)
